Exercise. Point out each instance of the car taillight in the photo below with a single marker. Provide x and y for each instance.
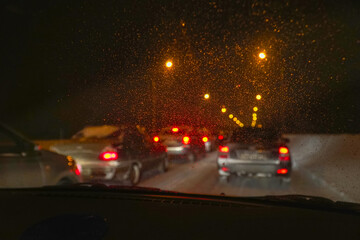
(221, 137)
(175, 129)
(282, 171)
(283, 150)
(205, 139)
(77, 169)
(224, 149)
(108, 156)
(156, 139)
(186, 140)
(284, 154)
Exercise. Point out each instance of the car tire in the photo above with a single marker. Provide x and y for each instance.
(164, 165)
(134, 175)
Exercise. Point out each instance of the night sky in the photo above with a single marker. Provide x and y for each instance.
(67, 64)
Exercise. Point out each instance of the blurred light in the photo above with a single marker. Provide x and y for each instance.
(282, 171)
(241, 125)
(258, 97)
(235, 119)
(237, 122)
(223, 110)
(206, 96)
(283, 150)
(77, 170)
(224, 149)
(156, 139)
(169, 64)
(175, 129)
(254, 115)
(186, 140)
(259, 125)
(231, 116)
(225, 169)
(221, 137)
(255, 109)
(108, 156)
(262, 55)
(205, 139)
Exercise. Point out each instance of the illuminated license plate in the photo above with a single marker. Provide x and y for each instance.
(251, 155)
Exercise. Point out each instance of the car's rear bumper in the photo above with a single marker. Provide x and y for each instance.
(227, 167)
(103, 173)
(177, 150)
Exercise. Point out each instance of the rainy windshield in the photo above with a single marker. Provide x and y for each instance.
(239, 98)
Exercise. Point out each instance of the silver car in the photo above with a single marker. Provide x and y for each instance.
(114, 153)
(254, 152)
(23, 164)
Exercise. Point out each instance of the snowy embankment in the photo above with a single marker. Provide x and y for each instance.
(333, 159)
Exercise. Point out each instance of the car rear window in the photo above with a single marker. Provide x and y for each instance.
(255, 135)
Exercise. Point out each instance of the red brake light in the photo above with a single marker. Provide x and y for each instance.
(175, 129)
(156, 139)
(109, 156)
(282, 171)
(205, 139)
(186, 140)
(77, 171)
(283, 150)
(221, 137)
(224, 149)
(225, 169)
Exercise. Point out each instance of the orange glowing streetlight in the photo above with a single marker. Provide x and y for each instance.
(258, 97)
(168, 64)
(262, 55)
(207, 96)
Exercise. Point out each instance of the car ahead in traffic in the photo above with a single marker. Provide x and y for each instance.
(132, 155)
(114, 153)
(23, 164)
(182, 142)
(255, 152)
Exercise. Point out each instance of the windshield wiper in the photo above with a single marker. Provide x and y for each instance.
(301, 201)
(101, 187)
(309, 201)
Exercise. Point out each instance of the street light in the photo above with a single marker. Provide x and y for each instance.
(168, 64)
(262, 55)
(235, 119)
(231, 116)
(206, 96)
(258, 97)
(255, 109)
(223, 110)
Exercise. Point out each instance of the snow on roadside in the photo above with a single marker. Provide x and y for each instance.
(334, 159)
